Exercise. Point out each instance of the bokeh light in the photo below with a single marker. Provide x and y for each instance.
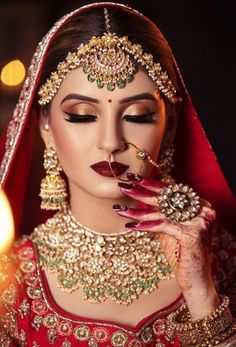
(6, 224)
(13, 73)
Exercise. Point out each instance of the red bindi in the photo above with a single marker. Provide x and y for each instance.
(109, 100)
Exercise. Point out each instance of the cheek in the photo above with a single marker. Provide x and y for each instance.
(148, 137)
(71, 143)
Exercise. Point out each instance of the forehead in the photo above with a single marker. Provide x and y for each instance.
(77, 82)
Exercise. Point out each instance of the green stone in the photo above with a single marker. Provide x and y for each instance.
(99, 84)
(129, 77)
(90, 78)
(121, 84)
(85, 69)
(110, 86)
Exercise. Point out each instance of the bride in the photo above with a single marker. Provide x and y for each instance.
(130, 256)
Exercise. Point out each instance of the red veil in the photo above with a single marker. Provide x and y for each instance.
(195, 162)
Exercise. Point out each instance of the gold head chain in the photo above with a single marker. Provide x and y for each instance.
(110, 61)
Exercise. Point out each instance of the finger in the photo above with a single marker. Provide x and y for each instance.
(139, 193)
(161, 225)
(150, 184)
(140, 214)
(206, 215)
(205, 202)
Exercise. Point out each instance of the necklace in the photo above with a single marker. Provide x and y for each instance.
(115, 266)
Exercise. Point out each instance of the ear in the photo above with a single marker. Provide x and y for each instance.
(45, 130)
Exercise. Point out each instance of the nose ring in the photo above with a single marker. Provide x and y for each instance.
(141, 154)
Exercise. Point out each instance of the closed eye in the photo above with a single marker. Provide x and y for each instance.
(79, 118)
(141, 118)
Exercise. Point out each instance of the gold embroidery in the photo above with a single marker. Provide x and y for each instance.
(82, 333)
(101, 334)
(9, 322)
(22, 338)
(66, 343)
(19, 277)
(51, 335)
(50, 321)
(34, 293)
(119, 339)
(135, 343)
(92, 342)
(27, 266)
(35, 344)
(24, 308)
(147, 335)
(5, 340)
(9, 295)
(37, 322)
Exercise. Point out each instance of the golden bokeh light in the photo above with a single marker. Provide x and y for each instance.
(6, 224)
(13, 73)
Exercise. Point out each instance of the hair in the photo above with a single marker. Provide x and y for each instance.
(124, 22)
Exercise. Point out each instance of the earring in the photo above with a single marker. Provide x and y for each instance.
(53, 187)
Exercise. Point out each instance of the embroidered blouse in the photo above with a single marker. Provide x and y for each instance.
(30, 317)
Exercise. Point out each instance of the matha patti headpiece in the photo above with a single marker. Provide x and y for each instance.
(109, 61)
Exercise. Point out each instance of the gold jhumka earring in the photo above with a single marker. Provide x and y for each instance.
(53, 187)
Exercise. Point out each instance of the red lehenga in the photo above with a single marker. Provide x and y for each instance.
(32, 318)
(28, 314)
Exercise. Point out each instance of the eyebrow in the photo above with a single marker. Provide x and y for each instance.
(143, 96)
(79, 97)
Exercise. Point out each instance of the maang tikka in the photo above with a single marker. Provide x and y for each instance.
(53, 187)
(109, 61)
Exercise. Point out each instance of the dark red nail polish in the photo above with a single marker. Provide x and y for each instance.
(131, 225)
(120, 207)
(134, 177)
(125, 185)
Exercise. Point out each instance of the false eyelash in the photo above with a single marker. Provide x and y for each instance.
(142, 118)
(76, 118)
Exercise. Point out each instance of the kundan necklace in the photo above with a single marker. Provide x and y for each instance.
(115, 266)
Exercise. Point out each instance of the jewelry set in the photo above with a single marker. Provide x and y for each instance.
(117, 266)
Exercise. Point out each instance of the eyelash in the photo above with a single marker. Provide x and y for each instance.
(87, 118)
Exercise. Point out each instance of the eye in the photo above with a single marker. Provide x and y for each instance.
(79, 118)
(141, 118)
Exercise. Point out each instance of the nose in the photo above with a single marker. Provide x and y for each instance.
(110, 137)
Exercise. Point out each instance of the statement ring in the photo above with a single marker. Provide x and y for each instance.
(179, 202)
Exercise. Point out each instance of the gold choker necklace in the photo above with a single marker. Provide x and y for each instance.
(115, 266)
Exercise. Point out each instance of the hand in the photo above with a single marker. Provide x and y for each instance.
(186, 245)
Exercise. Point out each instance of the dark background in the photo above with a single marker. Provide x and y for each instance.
(202, 36)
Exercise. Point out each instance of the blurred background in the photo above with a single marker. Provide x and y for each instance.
(201, 34)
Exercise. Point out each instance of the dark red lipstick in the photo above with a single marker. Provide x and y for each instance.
(103, 168)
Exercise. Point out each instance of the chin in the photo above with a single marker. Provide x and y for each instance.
(105, 189)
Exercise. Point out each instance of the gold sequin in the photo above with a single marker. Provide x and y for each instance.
(82, 333)
(27, 266)
(119, 339)
(50, 321)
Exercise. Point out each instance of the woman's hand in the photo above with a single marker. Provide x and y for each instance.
(186, 244)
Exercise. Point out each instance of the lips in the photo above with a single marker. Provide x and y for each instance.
(103, 168)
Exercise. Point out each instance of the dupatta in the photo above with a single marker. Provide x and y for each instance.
(195, 161)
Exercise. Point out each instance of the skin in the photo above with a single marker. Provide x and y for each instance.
(92, 196)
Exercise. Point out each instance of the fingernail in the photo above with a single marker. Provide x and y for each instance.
(125, 185)
(131, 225)
(120, 207)
(134, 177)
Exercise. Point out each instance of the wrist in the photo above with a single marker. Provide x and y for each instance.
(201, 301)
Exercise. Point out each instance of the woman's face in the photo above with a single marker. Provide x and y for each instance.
(88, 125)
